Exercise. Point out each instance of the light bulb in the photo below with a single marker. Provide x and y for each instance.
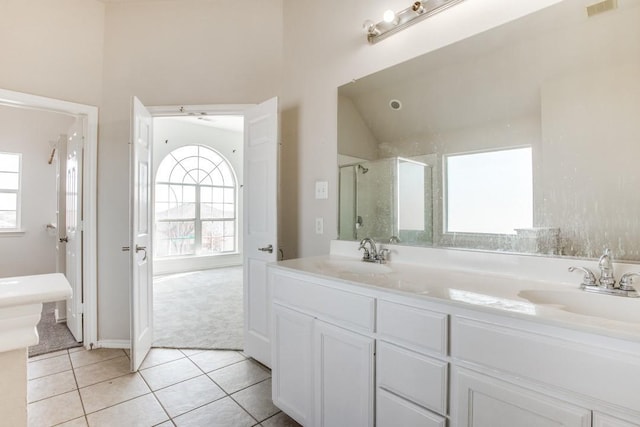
(389, 16)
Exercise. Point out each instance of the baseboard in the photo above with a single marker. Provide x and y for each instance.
(57, 316)
(185, 264)
(124, 344)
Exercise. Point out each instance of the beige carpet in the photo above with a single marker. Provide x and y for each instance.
(201, 309)
(52, 336)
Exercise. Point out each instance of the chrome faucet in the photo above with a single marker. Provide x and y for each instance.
(606, 284)
(606, 270)
(372, 254)
(626, 282)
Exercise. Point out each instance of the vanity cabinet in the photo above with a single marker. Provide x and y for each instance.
(291, 362)
(343, 364)
(410, 387)
(411, 373)
(347, 355)
(548, 376)
(485, 401)
(603, 420)
(322, 353)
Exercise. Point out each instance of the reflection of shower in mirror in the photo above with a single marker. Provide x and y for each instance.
(387, 198)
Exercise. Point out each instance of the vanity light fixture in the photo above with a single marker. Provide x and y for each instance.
(393, 22)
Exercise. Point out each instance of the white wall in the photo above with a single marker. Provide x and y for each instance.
(172, 133)
(29, 132)
(170, 53)
(52, 48)
(205, 52)
(327, 51)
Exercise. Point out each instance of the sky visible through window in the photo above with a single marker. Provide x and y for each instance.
(489, 192)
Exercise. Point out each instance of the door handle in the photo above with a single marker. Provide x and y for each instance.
(138, 249)
(64, 239)
(142, 248)
(267, 249)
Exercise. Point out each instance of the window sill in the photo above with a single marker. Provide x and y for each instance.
(178, 257)
(12, 233)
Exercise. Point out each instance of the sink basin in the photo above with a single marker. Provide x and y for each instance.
(621, 309)
(355, 267)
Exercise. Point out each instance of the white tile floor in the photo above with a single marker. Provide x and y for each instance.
(174, 387)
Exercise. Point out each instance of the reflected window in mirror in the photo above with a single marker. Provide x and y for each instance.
(489, 192)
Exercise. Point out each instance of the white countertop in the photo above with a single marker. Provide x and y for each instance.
(23, 290)
(21, 301)
(602, 314)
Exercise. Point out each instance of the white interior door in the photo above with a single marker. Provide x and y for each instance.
(72, 238)
(140, 242)
(260, 223)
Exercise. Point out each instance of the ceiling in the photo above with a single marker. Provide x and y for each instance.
(497, 75)
(226, 122)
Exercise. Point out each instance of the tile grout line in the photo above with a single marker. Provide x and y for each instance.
(226, 394)
(84, 411)
(153, 392)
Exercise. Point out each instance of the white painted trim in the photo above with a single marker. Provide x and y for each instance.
(12, 233)
(90, 163)
(168, 265)
(184, 264)
(124, 344)
(185, 110)
(58, 318)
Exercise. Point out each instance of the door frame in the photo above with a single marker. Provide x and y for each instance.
(89, 195)
(190, 111)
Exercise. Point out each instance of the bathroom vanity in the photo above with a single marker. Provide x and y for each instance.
(440, 339)
(21, 301)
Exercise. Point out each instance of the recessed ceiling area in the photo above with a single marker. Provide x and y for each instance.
(223, 122)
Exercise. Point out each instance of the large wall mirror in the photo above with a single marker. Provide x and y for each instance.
(524, 138)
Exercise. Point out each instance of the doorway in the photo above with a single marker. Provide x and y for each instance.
(197, 249)
(36, 131)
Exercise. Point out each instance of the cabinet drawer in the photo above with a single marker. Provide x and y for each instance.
(590, 370)
(393, 411)
(603, 420)
(415, 377)
(423, 330)
(348, 309)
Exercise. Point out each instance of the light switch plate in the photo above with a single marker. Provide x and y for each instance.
(322, 190)
(319, 225)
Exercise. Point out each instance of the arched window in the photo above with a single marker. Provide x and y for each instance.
(195, 203)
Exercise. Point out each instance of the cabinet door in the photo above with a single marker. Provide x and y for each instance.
(483, 401)
(344, 384)
(291, 360)
(602, 420)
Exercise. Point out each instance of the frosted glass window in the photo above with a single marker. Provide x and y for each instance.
(195, 203)
(489, 192)
(411, 194)
(10, 165)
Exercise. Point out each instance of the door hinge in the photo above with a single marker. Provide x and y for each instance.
(80, 225)
(80, 308)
